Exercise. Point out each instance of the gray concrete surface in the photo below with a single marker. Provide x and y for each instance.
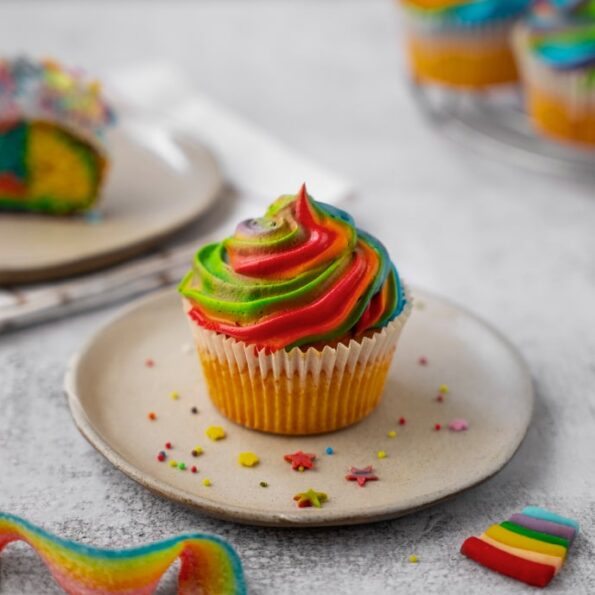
(516, 248)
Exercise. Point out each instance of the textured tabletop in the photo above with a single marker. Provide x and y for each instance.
(516, 248)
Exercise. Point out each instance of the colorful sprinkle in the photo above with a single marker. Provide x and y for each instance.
(300, 461)
(440, 398)
(174, 395)
(194, 469)
(149, 362)
(402, 421)
(458, 425)
(215, 433)
(196, 451)
(248, 459)
(391, 434)
(173, 463)
(329, 450)
(423, 361)
(361, 475)
(152, 415)
(263, 484)
(194, 410)
(207, 564)
(437, 427)
(168, 445)
(413, 559)
(443, 389)
(161, 457)
(93, 217)
(310, 498)
(182, 466)
(207, 483)
(381, 454)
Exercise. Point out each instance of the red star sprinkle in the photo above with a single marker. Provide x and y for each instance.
(300, 461)
(361, 475)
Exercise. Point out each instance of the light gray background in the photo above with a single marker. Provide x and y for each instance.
(516, 248)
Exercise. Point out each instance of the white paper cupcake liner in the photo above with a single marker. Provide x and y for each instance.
(311, 362)
(297, 391)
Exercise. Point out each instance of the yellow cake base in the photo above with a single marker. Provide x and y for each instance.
(472, 64)
(555, 118)
(294, 405)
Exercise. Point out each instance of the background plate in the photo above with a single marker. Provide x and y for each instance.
(156, 185)
(111, 390)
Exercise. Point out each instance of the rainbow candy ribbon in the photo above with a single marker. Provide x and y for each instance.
(209, 565)
(530, 546)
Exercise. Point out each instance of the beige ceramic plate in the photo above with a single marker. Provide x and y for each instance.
(111, 390)
(156, 185)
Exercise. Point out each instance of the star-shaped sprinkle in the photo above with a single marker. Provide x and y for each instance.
(310, 498)
(215, 432)
(300, 461)
(458, 425)
(248, 459)
(362, 475)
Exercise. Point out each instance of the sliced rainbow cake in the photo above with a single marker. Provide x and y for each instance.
(52, 129)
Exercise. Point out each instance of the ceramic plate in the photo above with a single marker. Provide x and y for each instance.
(156, 185)
(111, 390)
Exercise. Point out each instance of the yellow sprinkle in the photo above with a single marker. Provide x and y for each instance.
(413, 559)
(443, 389)
(197, 450)
(391, 434)
(248, 459)
(215, 432)
(381, 454)
(175, 395)
(173, 463)
(206, 482)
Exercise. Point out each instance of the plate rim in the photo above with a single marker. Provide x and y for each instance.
(73, 265)
(247, 516)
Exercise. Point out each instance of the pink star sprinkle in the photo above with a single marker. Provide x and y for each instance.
(458, 425)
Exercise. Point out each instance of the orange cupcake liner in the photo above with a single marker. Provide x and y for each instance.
(291, 405)
(300, 391)
(468, 60)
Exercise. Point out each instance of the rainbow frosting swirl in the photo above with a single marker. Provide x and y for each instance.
(566, 48)
(471, 13)
(209, 565)
(300, 275)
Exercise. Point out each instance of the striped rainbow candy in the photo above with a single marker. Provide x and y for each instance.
(530, 546)
(209, 565)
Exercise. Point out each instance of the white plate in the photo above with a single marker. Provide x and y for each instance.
(111, 390)
(156, 185)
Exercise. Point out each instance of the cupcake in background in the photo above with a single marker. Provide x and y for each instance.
(555, 46)
(462, 44)
(295, 318)
(52, 130)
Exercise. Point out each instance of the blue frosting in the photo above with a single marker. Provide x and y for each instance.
(478, 12)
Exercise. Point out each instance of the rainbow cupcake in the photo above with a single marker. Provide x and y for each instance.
(462, 44)
(556, 51)
(295, 318)
(52, 125)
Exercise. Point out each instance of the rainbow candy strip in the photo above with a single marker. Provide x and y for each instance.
(209, 565)
(530, 547)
